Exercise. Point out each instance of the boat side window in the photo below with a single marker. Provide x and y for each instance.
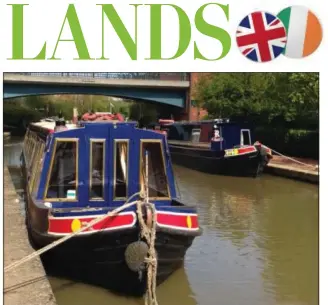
(28, 146)
(157, 179)
(32, 149)
(34, 163)
(62, 178)
(38, 169)
(245, 137)
(37, 145)
(26, 139)
(121, 169)
(97, 169)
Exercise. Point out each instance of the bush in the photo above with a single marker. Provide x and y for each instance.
(17, 116)
(292, 142)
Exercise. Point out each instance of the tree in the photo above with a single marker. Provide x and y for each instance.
(264, 98)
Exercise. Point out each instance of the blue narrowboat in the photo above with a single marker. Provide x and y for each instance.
(215, 146)
(77, 172)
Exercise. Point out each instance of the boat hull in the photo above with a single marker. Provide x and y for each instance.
(250, 164)
(99, 259)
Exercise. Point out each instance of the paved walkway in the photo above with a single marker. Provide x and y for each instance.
(28, 284)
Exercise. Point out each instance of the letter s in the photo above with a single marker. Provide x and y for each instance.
(212, 31)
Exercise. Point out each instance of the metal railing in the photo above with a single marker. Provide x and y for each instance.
(111, 75)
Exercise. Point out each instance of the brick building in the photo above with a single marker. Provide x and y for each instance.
(195, 112)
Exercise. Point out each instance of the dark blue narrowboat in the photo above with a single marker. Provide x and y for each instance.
(77, 172)
(215, 146)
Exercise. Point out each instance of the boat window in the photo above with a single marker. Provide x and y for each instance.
(157, 179)
(97, 168)
(38, 170)
(63, 174)
(121, 169)
(32, 150)
(34, 163)
(28, 146)
(195, 135)
(37, 145)
(26, 138)
(245, 137)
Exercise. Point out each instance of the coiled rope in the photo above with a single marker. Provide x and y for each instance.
(148, 233)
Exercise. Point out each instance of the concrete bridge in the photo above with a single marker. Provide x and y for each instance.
(172, 89)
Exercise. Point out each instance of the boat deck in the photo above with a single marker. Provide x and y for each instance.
(189, 144)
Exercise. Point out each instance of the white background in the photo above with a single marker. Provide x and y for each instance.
(43, 21)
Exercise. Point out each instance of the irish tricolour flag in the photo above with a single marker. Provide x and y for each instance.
(304, 32)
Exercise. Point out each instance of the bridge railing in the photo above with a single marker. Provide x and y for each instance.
(111, 75)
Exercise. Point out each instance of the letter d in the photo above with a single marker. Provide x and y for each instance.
(156, 31)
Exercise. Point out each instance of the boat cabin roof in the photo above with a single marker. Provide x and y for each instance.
(97, 164)
(50, 126)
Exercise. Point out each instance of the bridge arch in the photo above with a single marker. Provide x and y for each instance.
(164, 88)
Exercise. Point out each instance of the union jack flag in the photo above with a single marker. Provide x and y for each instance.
(261, 36)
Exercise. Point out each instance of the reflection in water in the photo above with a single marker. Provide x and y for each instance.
(259, 245)
(175, 291)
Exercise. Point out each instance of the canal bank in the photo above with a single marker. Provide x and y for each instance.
(306, 170)
(28, 283)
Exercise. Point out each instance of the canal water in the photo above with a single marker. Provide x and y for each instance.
(259, 245)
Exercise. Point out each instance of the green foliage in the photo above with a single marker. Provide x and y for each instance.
(293, 142)
(33, 108)
(18, 114)
(288, 99)
(284, 107)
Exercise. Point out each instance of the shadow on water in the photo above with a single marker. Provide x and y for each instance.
(175, 291)
(259, 245)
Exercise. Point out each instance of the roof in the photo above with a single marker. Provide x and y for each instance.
(50, 126)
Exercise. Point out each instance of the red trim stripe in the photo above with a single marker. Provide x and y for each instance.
(176, 220)
(64, 225)
(246, 150)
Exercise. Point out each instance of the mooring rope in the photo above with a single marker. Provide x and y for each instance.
(67, 237)
(290, 158)
(149, 233)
